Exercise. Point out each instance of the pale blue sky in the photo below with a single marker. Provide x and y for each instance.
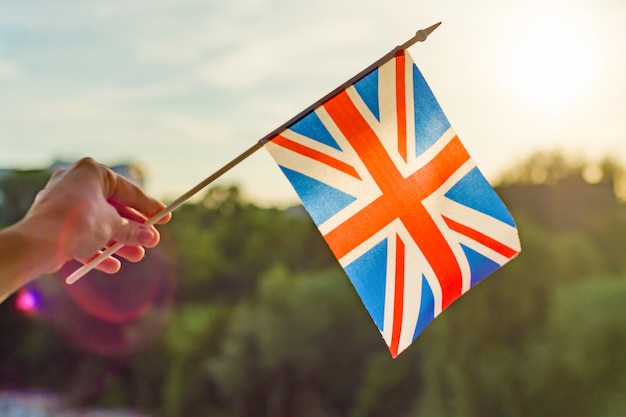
(183, 86)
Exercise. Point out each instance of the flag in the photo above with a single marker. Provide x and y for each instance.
(396, 196)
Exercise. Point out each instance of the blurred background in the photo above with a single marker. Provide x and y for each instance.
(242, 310)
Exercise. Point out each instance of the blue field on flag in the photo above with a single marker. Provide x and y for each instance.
(397, 197)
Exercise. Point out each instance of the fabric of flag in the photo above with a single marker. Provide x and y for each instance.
(396, 196)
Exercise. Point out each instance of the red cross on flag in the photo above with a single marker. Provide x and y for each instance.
(397, 197)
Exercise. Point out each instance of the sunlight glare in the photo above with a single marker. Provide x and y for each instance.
(552, 61)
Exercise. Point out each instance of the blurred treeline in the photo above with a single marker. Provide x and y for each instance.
(266, 324)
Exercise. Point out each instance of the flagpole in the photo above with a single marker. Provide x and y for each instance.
(420, 36)
(80, 272)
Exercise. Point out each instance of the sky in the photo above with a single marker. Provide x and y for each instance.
(184, 86)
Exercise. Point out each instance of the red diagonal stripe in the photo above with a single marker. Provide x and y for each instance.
(481, 238)
(316, 155)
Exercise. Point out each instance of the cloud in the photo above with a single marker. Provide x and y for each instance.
(121, 94)
(274, 60)
(9, 70)
(197, 129)
(130, 76)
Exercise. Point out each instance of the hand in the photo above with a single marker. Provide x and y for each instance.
(81, 210)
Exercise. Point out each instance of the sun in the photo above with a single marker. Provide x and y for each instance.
(551, 61)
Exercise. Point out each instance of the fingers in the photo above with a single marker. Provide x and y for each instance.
(131, 233)
(112, 265)
(124, 193)
(120, 190)
(132, 253)
(133, 214)
(114, 209)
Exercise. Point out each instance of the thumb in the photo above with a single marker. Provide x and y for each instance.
(135, 234)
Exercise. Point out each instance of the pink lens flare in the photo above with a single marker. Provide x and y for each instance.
(118, 298)
(26, 301)
(108, 315)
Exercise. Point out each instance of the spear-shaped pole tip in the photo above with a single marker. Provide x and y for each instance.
(422, 34)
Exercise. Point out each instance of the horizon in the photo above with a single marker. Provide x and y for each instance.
(183, 87)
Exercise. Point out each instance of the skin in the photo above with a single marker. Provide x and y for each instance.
(82, 209)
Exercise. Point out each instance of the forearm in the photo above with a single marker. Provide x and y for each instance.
(23, 257)
(80, 210)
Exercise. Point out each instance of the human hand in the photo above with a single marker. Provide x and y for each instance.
(86, 207)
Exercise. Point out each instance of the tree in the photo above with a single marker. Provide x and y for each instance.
(266, 322)
(579, 367)
(298, 349)
(17, 192)
(224, 244)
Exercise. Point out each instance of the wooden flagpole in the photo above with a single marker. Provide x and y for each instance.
(76, 275)
(420, 36)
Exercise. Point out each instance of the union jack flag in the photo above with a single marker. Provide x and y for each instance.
(397, 197)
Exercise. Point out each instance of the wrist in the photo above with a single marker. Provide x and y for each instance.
(25, 254)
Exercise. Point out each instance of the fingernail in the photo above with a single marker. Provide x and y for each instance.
(145, 235)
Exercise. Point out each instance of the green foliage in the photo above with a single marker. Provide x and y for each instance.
(583, 350)
(551, 167)
(194, 333)
(223, 251)
(390, 386)
(267, 324)
(285, 354)
(17, 192)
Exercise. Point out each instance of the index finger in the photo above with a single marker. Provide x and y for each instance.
(123, 192)
(132, 214)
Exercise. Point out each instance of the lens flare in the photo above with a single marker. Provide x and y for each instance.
(120, 298)
(110, 315)
(26, 301)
